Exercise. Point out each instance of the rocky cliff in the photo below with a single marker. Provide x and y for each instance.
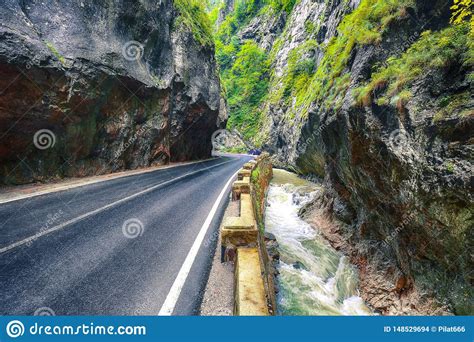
(92, 87)
(375, 97)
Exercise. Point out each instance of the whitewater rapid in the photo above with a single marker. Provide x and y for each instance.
(314, 279)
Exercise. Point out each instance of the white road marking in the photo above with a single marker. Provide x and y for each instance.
(173, 295)
(64, 187)
(113, 204)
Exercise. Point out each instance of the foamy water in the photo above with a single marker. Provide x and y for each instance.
(314, 278)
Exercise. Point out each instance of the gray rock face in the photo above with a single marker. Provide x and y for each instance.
(227, 8)
(265, 29)
(229, 141)
(309, 21)
(399, 183)
(117, 85)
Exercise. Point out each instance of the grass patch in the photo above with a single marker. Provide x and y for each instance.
(246, 85)
(433, 51)
(193, 16)
(457, 105)
(55, 52)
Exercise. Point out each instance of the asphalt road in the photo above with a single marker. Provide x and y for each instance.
(114, 247)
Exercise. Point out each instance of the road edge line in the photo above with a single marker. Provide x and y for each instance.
(175, 291)
(105, 207)
(74, 186)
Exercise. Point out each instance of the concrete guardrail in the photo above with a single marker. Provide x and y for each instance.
(241, 242)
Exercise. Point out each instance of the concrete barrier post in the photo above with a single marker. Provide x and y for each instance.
(241, 240)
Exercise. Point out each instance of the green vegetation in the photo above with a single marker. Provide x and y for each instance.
(255, 175)
(244, 67)
(213, 12)
(364, 25)
(300, 68)
(450, 166)
(55, 52)
(454, 104)
(434, 50)
(246, 84)
(298, 73)
(194, 17)
(257, 197)
(260, 179)
(244, 11)
(251, 85)
(310, 27)
(282, 5)
(462, 10)
(237, 149)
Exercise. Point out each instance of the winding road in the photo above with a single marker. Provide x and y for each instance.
(136, 245)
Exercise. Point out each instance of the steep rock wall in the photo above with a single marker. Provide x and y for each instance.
(117, 85)
(359, 96)
(309, 29)
(399, 172)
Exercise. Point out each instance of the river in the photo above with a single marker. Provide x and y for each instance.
(314, 278)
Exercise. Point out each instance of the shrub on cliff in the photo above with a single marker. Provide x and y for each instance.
(434, 50)
(194, 17)
(246, 84)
